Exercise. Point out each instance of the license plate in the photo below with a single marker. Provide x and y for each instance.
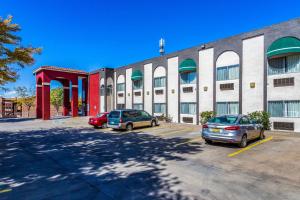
(215, 130)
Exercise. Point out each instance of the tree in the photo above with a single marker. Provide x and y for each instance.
(13, 56)
(56, 98)
(26, 97)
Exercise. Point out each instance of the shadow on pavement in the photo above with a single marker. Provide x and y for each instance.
(66, 163)
(7, 120)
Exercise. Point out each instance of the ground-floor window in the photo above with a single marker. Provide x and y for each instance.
(138, 106)
(120, 87)
(159, 108)
(188, 108)
(227, 108)
(284, 108)
(120, 106)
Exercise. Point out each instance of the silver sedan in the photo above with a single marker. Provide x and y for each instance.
(237, 129)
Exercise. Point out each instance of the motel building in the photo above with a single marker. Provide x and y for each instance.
(253, 71)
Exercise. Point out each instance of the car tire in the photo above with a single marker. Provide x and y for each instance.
(129, 127)
(104, 125)
(243, 142)
(153, 123)
(262, 135)
(208, 141)
(96, 127)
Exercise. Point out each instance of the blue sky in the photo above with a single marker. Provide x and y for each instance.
(90, 34)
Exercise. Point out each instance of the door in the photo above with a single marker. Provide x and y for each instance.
(247, 126)
(146, 118)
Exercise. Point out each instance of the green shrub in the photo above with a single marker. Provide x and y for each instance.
(261, 117)
(206, 115)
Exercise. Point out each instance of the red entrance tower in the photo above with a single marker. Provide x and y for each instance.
(43, 77)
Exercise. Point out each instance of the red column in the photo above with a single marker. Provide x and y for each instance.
(39, 102)
(66, 104)
(74, 99)
(46, 101)
(85, 93)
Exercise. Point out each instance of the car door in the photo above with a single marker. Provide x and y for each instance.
(136, 118)
(146, 118)
(249, 128)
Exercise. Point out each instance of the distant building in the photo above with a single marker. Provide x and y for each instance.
(9, 108)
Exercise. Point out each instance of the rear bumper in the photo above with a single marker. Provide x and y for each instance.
(230, 138)
(117, 126)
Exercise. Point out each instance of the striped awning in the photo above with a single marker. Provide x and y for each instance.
(188, 65)
(282, 46)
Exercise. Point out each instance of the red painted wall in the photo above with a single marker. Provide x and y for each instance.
(94, 96)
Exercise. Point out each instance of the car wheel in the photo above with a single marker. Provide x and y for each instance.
(129, 127)
(208, 141)
(243, 142)
(262, 135)
(96, 127)
(104, 125)
(153, 123)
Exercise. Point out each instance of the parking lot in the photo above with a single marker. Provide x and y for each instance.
(68, 159)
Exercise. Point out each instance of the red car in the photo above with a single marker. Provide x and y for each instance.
(99, 121)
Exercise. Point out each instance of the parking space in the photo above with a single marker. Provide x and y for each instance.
(67, 158)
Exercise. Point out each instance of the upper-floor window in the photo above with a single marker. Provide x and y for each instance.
(284, 65)
(227, 108)
(137, 84)
(160, 82)
(102, 90)
(120, 87)
(284, 108)
(228, 73)
(109, 90)
(188, 78)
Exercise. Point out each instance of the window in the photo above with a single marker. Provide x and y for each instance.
(188, 108)
(159, 82)
(244, 120)
(114, 114)
(228, 73)
(159, 108)
(188, 78)
(109, 90)
(120, 106)
(283, 65)
(289, 126)
(284, 108)
(138, 84)
(187, 119)
(102, 90)
(138, 106)
(227, 108)
(223, 119)
(120, 87)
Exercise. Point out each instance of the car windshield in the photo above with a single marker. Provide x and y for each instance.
(100, 114)
(114, 114)
(224, 120)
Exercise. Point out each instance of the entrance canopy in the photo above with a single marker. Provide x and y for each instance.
(136, 75)
(44, 75)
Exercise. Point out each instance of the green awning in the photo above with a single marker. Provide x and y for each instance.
(136, 75)
(188, 65)
(284, 45)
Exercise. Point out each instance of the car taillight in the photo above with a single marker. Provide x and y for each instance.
(204, 126)
(121, 120)
(232, 128)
